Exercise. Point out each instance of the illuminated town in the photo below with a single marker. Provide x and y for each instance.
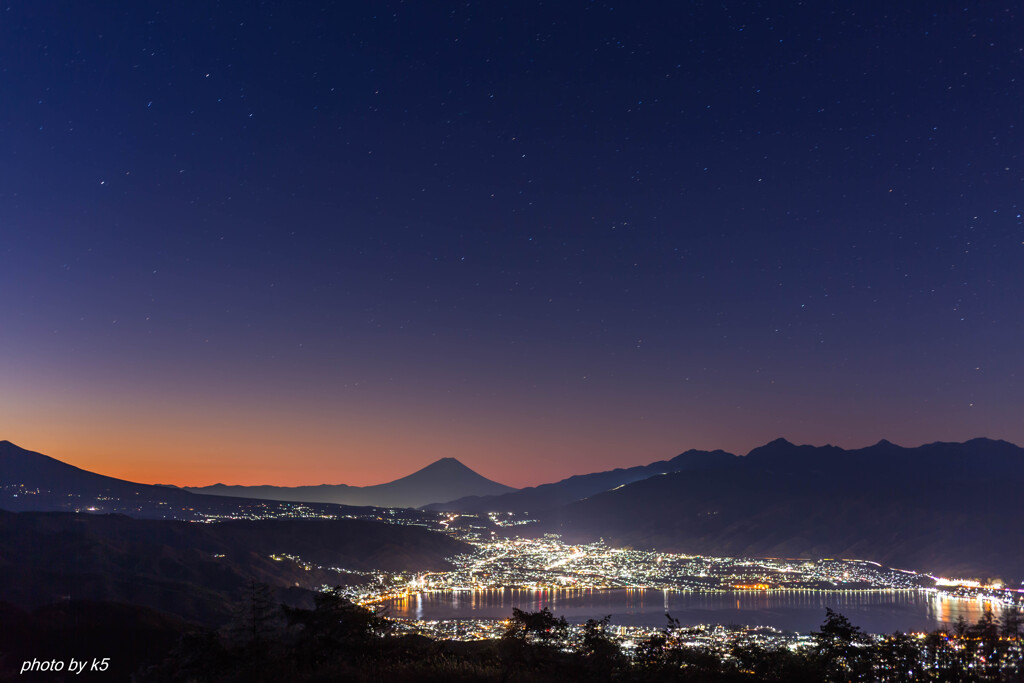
(548, 563)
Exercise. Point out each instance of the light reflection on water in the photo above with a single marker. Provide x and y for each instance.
(874, 611)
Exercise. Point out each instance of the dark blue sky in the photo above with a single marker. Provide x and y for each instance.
(279, 242)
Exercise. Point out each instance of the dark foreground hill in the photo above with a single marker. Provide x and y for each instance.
(440, 481)
(197, 571)
(947, 508)
(126, 636)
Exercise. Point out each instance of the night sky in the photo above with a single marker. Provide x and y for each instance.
(281, 243)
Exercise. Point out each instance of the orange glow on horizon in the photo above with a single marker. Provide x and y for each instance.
(264, 437)
(202, 465)
(196, 426)
(197, 459)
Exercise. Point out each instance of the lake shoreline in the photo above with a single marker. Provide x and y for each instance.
(876, 610)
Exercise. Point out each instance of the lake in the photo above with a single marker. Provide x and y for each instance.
(874, 611)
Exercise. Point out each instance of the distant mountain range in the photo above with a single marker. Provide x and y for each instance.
(548, 496)
(33, 481)
(949, 508)
(440, 481)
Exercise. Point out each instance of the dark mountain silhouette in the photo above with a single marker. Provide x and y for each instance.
(197, 571)
(33, 481)
(443, 480)
(31, 469)
(548, 496)
(949, 508)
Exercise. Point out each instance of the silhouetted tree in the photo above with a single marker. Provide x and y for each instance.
(988, 646)
(655, 651)
(541, 627)
(665, 655)
(256, 616)
(335, 627)
(841, 646)
(528, 640)
(775, 664)
(597, 649)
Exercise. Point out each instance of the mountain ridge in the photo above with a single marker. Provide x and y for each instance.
(551, 495)
(444, 479)
(32, 481)
(944, 507)
(22, 467)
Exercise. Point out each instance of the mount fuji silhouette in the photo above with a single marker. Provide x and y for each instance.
(440, 481)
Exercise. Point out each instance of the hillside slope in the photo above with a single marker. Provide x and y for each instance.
(195, 570)
(945, 508)
(547, 496)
